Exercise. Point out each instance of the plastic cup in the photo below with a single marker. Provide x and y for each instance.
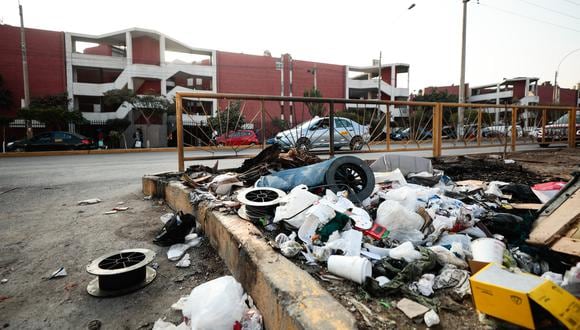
(487, 250)
(356, 269)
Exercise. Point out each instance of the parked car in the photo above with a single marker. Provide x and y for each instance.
(557, 131)
(417, 134)
(450, 132)
(51, 141)
(500, 131)
(315, 133)
(238, 138)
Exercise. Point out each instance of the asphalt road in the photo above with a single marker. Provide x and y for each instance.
(96, 172)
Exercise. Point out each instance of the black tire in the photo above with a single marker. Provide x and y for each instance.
(544, 145)
(303, 143)
(352, 172)
(336, 148)
(356, 143)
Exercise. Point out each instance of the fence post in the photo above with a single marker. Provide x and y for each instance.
(262, 122)
(179, 123)
(331, 129)
(388, 126)
(479, 120)
(514, 128)
(572, 128)
(437, 128)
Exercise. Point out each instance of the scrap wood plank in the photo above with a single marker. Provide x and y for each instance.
(547, 227)
(527, 206)
(567, 245)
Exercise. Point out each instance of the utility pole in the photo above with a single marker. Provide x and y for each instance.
(460, 114)
(379, 77)
(24, 70)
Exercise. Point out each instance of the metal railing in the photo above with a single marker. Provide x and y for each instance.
(218, 126)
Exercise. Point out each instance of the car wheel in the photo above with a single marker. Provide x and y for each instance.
(303, 144)
(352, 172)
(336, 148)
(252, 144)
(356, 143)
(544, 145)
(221, 144)
(19, 150)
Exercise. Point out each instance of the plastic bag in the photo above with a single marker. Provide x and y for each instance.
(288, 246)
(293, 206)
(405, 251)
(393, 176)
(424, 285)
(431, 318)
(405, 195)
(216, 304)
(393, 216)
(252, 320)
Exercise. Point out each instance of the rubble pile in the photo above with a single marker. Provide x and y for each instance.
(400, 228)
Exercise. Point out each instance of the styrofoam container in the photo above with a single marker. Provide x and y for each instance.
(487, 250)
(356, 269)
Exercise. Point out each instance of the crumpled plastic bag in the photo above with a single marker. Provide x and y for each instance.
(288, 245)
(216, 304)
(424, 285)
(405, 251)
(445, 257)
(394, 216)
(431, 318)
(294, 205)
(340, 203)
(252, 320)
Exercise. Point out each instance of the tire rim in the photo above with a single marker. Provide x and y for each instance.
(352, 176)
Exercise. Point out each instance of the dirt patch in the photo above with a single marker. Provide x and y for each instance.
(35, 243)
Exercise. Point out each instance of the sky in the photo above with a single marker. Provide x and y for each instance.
(505, 38)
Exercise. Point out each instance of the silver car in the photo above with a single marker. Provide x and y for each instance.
(315, 133)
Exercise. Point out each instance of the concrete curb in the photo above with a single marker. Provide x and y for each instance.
(108, 151)
(288, 297)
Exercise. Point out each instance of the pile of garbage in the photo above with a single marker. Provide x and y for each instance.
(398, 227)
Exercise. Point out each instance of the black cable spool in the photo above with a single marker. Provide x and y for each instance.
(259, 203)
(121, 272)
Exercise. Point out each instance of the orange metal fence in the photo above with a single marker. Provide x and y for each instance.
(217, 126)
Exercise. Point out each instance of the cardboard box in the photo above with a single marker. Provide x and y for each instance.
(514, 297)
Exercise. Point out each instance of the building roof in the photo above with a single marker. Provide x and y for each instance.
(374, 68)
(118, 38)
(505, 81)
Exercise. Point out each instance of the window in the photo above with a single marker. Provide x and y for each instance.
(343, 123)
(43, 138)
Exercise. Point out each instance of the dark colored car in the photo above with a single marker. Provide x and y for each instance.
(51, 141)
(407, 134)
(238, 138)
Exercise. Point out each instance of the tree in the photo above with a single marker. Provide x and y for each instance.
(5, 103)
(116, 128)
(5, 96)
(315, 109)
(228, 119)
(147, 105)
(51, 110)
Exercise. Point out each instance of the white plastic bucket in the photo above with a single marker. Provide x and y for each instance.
(487, 250)
(356, 269)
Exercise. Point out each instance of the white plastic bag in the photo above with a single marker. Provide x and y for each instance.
(431, 318)
(216, 304)
(292, 206)
(393, 216)
(405, 251)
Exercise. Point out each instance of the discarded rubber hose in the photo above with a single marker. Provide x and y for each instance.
(260, 213)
